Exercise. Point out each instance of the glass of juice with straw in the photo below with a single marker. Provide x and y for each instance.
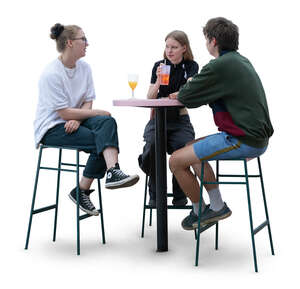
(165, 74)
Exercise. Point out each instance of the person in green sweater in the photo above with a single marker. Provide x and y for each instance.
(230, 85)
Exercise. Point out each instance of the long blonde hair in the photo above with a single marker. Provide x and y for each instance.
(183, 39)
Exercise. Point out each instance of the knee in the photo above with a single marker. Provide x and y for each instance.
(174, 161)
(111, 121)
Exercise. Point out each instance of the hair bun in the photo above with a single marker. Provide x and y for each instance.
(56, 30)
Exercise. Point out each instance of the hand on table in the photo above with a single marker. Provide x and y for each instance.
(173, 95)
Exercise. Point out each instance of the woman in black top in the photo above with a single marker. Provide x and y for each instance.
(180, 131)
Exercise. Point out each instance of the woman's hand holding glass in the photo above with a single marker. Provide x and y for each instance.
(158, 72)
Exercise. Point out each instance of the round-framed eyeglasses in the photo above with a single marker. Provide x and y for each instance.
(83, 38)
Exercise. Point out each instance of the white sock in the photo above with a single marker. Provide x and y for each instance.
(196, 207)
(216, 202)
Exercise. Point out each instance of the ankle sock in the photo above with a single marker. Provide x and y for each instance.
(216, 202)
(196, 207)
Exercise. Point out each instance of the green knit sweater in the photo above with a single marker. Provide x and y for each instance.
(232, 88)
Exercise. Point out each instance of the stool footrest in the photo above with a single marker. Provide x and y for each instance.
(82, 217)
(172, 207)
(44, 209)
(72, 165)
(57, 169)
(260, 227)
(238, 176)
(224, 183)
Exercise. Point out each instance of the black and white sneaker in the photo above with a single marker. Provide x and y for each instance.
(85, 203)
(115, 178)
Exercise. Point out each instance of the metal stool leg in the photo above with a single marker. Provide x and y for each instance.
(217, 236)
(34, 195)
(250, 216)
(199, 213)
(144, 207)
(217, 224)
(101, 211)
(150, 218)
(77, 206)
(265, 205)
(57, 193)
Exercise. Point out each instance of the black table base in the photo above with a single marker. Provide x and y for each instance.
(161, 179)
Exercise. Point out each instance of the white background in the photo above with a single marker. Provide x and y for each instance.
(128, 36)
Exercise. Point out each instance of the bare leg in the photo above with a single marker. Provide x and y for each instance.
(111, 157)
(85, 183)
(180, 162)
(209, 175)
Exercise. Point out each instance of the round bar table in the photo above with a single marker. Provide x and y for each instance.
(160, 106)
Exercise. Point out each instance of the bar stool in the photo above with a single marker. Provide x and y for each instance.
(253, 230)
(59, 169)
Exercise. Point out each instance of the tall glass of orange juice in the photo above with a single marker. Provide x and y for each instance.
(133, 81)
(165, 74)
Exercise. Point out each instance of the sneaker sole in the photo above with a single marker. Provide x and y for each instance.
(128, 182)
(92, 213)
(188, 228)
(212, 220)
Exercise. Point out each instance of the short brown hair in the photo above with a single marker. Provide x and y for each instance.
(182, 38)
(61, 34)
(224, 31)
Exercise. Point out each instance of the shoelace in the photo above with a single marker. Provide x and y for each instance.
(86, 200)
(119, 173)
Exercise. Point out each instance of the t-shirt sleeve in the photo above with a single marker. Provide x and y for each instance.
(153, 76)
(192, 69)
(90, 94)
(51, 88)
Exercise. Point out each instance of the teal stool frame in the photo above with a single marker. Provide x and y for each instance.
(59, 169)
(253, 230)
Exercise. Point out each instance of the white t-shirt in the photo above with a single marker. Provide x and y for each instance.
(60, 87)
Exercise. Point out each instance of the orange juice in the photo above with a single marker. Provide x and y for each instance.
(164, 79)
(132, 84)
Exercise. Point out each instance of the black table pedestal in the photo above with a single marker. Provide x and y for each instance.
(161, 179)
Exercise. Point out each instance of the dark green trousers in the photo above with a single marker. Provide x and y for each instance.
(93, 136)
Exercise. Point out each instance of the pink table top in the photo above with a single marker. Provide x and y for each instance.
(162, 102)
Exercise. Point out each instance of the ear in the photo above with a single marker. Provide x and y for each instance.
(69, 43)
(184, 48)
(214, 41)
